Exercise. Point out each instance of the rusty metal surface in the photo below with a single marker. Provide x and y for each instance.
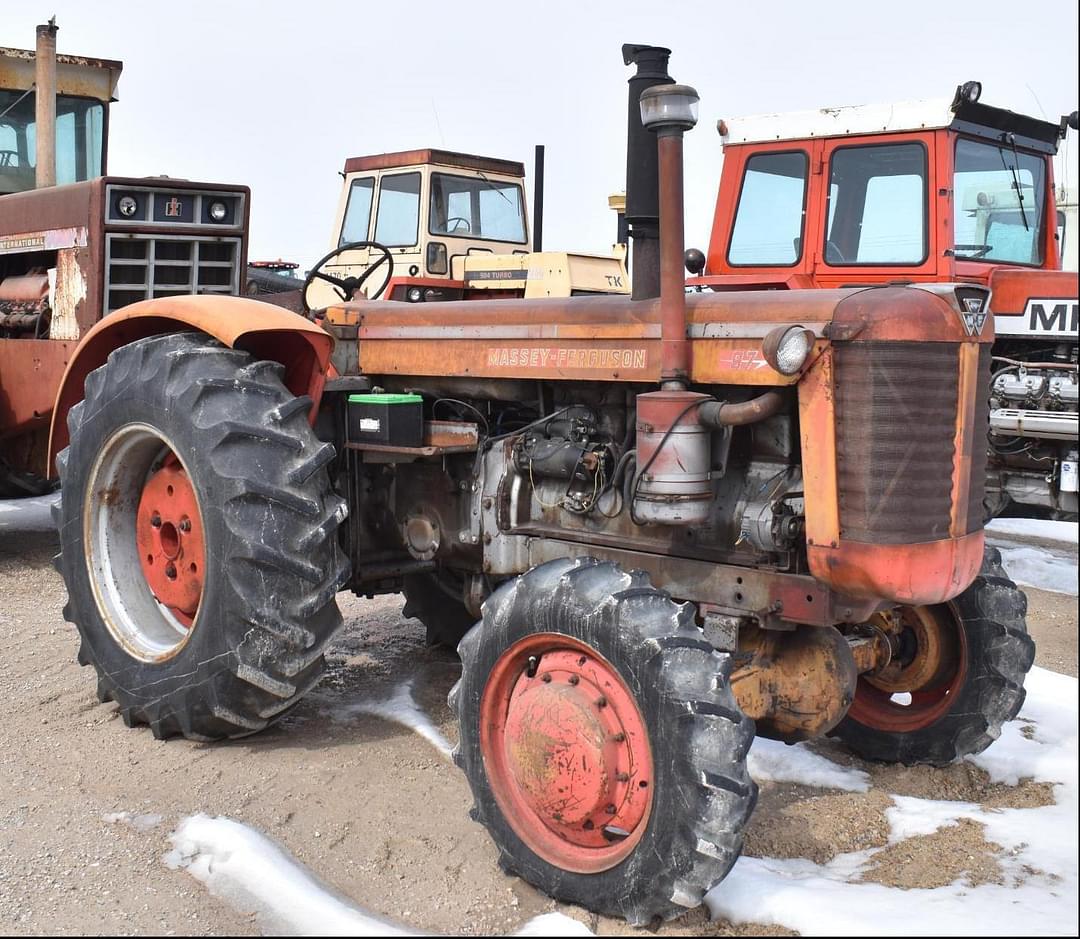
(80, 75)
(28, 376)
(385, 161)
(26, 288)
(774, 598)
(675, 348)
(33, 214)
(927, 573)
(1012, 288)
(794, 685)
(267, 331)
(896, 420)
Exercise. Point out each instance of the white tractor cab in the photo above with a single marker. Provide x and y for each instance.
(430, 225)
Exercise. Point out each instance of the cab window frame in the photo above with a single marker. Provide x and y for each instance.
(348, 205)
(419, 207)
(792, 151)
(469, 236)
(926, 207)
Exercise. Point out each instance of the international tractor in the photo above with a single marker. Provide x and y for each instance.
(653, 524)
(77, 245)
(947, 191)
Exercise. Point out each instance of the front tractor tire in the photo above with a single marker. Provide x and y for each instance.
(603, 745)
(957, 678)
(198, 538)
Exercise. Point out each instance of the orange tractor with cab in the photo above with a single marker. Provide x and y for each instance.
(920, 192)
(654, 524)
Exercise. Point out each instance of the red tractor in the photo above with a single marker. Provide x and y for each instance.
(949, 191)
(653, 525)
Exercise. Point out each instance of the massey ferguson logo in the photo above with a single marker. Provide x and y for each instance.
(173, 208)
(974, 315)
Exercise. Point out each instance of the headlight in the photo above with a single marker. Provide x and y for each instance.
(127, 206)
(415, 295)
(786, 348)
(218, 211)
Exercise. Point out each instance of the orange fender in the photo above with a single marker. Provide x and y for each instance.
(266, 331)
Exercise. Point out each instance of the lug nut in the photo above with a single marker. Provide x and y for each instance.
(546, 677)
(610, 810)
(170, 571)
(185, 524)
(534, 663)
(573, 679)
(619, 737)
(601, 702)
(155, 520)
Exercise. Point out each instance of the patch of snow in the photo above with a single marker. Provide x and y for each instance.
(255, 875)
(1044, 568)
(30, 514)
(1065, 532)
(554, 924)
(1039, 859)
(141, 823)
(773, 761)
(401, 708)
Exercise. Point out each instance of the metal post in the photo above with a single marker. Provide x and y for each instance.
(45, 104)
(674, 346)
(538, 199)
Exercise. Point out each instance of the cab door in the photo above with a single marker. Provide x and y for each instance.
(874, 210)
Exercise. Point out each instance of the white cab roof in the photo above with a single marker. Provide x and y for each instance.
(839, 122)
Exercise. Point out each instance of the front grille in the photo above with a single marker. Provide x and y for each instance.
(979, 457)
(895, 426)
(143, 267)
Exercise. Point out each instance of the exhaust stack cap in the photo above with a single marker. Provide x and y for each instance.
(669, 106)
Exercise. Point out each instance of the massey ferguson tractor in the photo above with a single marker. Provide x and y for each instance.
(656, 523)
(949, 191)
(76, 245)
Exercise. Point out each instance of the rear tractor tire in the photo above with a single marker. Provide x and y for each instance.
(198, 538)
(603, 745)
(958, 679)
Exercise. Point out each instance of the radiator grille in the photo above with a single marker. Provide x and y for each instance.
(896, 421)
(142, 267)
(976, 515)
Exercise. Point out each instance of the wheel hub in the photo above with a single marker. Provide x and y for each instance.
(567, 753)
(168, 532)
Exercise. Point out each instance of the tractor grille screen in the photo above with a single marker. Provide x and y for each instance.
(896, 420)
(142, 267)
(977, 493)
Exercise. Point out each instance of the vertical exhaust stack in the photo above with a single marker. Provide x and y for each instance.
(642, 183)
(538, 198)
(45, 104)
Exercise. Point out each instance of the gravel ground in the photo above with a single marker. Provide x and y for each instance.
(370, 807)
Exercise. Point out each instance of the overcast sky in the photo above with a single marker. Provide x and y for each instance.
(277, 94)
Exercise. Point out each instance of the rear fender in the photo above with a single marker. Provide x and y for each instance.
(266, 331)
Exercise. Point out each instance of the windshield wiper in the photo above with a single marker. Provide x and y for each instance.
(1011, 138)
(491, 185)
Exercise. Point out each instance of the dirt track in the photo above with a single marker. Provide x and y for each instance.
(370, 807)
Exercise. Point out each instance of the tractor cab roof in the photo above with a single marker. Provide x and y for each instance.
(76, 75)
(385, 161)
(958, 113)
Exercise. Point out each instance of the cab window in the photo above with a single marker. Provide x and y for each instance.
(768, 228)
(877, 205)
(1000, 196)
(398, 219)
(357, 211)
(476, 208)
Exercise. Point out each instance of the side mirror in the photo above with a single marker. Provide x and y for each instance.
(1073, 120)
(694, 260)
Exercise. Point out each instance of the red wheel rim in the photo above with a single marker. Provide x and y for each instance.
(169, 535)
(932, 674)
(567, 753)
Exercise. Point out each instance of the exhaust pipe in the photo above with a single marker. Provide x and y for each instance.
(538, 198)
(45, 104)
(642, 171)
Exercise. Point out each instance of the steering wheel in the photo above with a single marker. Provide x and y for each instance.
(346, 287)
(457, 227)
(6, 157)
